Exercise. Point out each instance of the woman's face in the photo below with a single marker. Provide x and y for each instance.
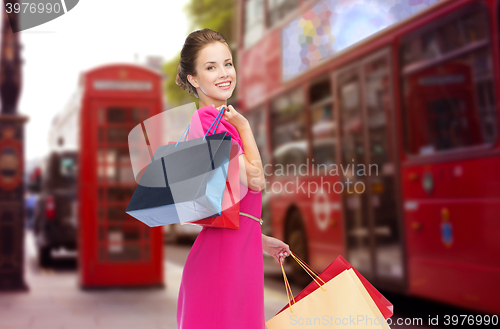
(215, 78)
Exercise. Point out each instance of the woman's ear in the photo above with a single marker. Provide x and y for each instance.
(192, 81)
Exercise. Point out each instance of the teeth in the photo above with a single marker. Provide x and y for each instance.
(224, 84)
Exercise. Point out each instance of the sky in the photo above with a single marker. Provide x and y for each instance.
(94, 33)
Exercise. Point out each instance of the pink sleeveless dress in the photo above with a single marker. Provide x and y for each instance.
(222, 283)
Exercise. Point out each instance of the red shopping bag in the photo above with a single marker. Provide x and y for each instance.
(335, 268)
(230, 215)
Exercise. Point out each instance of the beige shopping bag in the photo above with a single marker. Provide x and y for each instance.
(341, 302)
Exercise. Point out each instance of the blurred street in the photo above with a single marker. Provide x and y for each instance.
(55, 301)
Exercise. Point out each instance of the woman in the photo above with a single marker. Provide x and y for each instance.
(223, 279)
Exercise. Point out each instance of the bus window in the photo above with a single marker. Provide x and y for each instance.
(448, 90)
(378, 106)
(352, 140)
(60, 170)
(254, 21)
(68, 170)
(289, 127)
(291, 154)
(323, 126)
(279, 9)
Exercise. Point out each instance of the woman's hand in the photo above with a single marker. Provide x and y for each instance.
(276, 248)
(233, 117)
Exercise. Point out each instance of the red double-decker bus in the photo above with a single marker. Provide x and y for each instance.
(378, 125)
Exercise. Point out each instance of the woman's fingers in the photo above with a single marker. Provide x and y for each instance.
(228, 114)
(283, 254)
(230, 110)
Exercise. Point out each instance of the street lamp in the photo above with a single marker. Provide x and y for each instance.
(11, 160)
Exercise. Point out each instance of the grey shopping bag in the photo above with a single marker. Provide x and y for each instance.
(183, 182)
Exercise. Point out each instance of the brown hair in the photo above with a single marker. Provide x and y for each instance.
(194, 43)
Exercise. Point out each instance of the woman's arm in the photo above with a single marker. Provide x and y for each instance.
(251, 169)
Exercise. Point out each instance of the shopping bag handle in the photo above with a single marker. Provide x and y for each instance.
(299, 260)
(287, 287)
(187, 129)
(217, 118)
(183, 135)
(308, 271)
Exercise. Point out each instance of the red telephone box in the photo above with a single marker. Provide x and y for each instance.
(115, 249)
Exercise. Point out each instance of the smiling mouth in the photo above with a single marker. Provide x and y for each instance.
(224, 85)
